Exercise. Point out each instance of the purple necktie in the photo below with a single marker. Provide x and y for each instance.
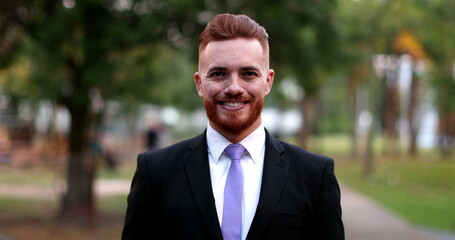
(231, 226)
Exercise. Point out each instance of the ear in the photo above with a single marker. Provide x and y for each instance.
(269, 81)
(198, 83)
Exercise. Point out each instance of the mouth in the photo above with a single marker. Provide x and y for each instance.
(233, 105)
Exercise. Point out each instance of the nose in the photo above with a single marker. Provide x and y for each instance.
(234, 86)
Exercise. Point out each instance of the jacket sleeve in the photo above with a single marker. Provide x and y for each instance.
(140, 214)
(330, 225)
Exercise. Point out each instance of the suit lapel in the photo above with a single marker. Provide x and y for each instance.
(198, 172)
(273, 180)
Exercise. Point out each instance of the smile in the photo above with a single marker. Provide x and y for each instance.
(233, 106)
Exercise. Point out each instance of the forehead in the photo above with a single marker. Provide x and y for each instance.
(233, 51)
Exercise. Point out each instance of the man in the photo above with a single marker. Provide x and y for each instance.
(198, 188)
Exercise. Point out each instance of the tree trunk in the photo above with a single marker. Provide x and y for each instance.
(78, 203)
(391, 108)
(353, 131)
(446, 133)
(356, 78)
(413, 115)
(308, 108)
(369, 155)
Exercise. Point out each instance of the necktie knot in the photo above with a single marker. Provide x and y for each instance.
(235, 151)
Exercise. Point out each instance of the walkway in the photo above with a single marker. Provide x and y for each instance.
(102, 188)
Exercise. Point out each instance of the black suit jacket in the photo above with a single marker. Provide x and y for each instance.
(171, 195)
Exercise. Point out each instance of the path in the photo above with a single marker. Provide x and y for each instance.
(102, 188)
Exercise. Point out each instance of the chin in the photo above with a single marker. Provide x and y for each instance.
(233, 122)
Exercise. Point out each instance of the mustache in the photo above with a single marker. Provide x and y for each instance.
(234, 99)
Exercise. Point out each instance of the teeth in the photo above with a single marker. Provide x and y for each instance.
(232, 104)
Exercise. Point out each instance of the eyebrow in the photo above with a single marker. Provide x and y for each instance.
(247, 68)
(218, 68)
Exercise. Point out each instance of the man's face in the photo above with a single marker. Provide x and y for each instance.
(233, 80)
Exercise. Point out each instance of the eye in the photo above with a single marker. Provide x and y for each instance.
(250, 74)
(218, 74)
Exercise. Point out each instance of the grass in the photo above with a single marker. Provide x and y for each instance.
(16, 211)
(421, 189)
(124, 171)
(48, 176)
(423, 192)
(24, 219)
(36, 219)
(39, 176)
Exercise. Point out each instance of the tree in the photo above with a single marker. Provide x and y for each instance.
(438, 37)
(406, 43)
(305, 41)
(359, 26)
(75, 48)
(385, 27)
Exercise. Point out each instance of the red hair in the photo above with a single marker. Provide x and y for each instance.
(229, 26)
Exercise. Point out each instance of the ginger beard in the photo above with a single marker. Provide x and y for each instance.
(231, 123)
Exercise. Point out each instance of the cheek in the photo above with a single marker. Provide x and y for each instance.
(210, 89)
(258, 91)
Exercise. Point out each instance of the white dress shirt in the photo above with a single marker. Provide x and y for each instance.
(252, 165)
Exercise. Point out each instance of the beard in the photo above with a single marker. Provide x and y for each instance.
(230, 122)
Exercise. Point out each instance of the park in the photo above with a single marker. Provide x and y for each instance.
(87, 85)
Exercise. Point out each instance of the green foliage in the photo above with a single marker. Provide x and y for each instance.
(304, 39)
(371, 27)
(152, 73)
(438, 40)
(93, 39)
(333, 117)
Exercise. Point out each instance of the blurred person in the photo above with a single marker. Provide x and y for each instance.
(108, 150)
(152, 135)
(235, 180)
(102, 146)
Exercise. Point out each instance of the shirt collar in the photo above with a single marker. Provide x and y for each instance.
(253, 143)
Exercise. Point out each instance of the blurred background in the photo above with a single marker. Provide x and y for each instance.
(85, 85)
